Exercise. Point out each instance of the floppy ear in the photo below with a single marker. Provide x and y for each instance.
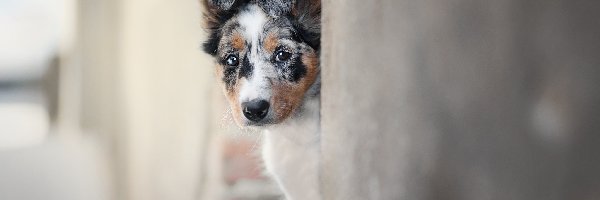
(216, 13)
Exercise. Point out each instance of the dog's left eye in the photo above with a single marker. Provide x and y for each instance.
(232, 60)
(282, 56)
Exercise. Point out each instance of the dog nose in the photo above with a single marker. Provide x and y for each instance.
(255, 110)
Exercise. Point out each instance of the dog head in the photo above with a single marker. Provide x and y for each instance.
(267, 55)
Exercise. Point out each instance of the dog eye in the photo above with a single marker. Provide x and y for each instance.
(232, 60)
(282, 56)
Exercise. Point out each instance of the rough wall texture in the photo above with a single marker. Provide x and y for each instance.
(461, 99)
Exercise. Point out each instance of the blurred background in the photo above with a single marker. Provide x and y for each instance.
(111, 99)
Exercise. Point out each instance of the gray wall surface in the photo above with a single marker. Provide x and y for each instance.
(461, 99)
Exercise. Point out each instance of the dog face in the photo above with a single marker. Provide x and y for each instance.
(266, 54)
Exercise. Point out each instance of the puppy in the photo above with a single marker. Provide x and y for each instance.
(267, 57)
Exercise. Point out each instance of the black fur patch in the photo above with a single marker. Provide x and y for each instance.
(302, 35)
(211, 45)
(311, 38)
(297, 70)
(246, 68)
(229, 76)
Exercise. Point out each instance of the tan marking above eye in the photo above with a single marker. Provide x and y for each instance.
(271, 42)
(237, 41)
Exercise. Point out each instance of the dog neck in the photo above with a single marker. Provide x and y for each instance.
(304, 127)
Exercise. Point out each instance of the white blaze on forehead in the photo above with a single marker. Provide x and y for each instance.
(252, 21)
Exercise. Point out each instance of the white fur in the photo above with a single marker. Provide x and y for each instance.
(252, 20)
(291, 153)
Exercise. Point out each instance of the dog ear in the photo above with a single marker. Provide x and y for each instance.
(308, 16)
(216, 13)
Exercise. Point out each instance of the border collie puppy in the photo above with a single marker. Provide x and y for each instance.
(267, 57)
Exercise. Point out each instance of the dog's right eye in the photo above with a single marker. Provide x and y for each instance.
(232, 60)
(282, 56)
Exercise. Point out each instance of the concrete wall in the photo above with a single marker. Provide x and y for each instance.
(461, 99)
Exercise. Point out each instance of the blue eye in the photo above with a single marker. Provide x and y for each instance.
(282, 56)
(232, 60)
